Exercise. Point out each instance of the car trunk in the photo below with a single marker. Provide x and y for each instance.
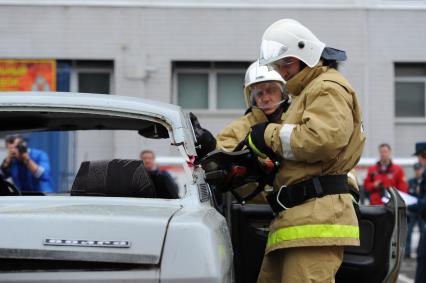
(91, 230)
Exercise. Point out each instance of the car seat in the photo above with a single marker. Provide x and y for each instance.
(113, 178)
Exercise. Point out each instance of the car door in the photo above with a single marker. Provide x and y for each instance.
(377, 259)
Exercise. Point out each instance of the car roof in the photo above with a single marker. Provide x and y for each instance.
(168, 115)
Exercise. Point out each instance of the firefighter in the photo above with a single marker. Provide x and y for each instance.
(319, 140)
(266, 100)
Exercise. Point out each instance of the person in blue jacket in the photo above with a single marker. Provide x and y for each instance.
(414, 189)
(29, 168)
(421, 208)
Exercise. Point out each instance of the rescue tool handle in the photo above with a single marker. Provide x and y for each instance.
(231, 170)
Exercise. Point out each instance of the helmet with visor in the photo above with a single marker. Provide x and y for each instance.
(256, 74)
(287, 40)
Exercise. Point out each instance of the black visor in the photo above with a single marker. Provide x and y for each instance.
(330, 53)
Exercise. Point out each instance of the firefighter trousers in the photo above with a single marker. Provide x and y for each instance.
(301, 265)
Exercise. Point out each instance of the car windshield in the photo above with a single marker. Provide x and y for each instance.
(68, 140)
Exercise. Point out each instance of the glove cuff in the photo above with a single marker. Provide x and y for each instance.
(255, 149)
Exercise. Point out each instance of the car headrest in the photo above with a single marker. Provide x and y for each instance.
(115, 178)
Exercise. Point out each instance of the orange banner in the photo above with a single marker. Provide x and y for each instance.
(27, 75)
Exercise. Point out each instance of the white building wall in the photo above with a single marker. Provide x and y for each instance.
(144, 41)
(394, 36)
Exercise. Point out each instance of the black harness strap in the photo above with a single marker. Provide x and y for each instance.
(317, 187)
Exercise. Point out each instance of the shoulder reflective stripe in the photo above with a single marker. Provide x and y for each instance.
(255, 149)
(313, 231)
(285, 135)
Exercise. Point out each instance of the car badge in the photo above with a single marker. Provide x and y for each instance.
(86, 243)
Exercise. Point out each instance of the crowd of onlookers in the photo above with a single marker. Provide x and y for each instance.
(386, 174)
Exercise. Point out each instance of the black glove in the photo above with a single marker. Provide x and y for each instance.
(206, 142)
(256, 141)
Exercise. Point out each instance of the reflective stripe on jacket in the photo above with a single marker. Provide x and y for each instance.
(313, 231)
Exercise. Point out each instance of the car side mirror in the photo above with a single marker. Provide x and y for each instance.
(154, 131)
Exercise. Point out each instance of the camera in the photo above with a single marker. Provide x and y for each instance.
(22, 148)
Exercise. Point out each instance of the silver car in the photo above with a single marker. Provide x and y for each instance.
(101, 232)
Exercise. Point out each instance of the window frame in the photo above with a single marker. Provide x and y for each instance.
(75, 70)
(410, 79)
(212, 73)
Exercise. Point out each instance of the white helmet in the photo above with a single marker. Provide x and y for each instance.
(256, 74)
(289, 38)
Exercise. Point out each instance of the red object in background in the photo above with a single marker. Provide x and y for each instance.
(26, 75)
(379, 179)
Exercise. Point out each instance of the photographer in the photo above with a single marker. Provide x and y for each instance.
(29, 168)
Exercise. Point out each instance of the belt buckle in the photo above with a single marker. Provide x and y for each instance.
(278, 198)
(318, 188)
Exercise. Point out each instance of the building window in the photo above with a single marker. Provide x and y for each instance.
(193, 90)
(410, 90)
(92, 76)
(209, 85)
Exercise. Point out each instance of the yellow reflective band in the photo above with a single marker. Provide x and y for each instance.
(313, 231)
(255, 149)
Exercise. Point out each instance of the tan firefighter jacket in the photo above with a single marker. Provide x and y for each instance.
(235, 132)
(321, 134)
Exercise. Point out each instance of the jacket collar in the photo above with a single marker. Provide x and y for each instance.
(297, 83)
(259, 114)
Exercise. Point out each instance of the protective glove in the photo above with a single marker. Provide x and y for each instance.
(256, 141)
(206, 142)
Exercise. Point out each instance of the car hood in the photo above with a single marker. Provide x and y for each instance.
(84, 228)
